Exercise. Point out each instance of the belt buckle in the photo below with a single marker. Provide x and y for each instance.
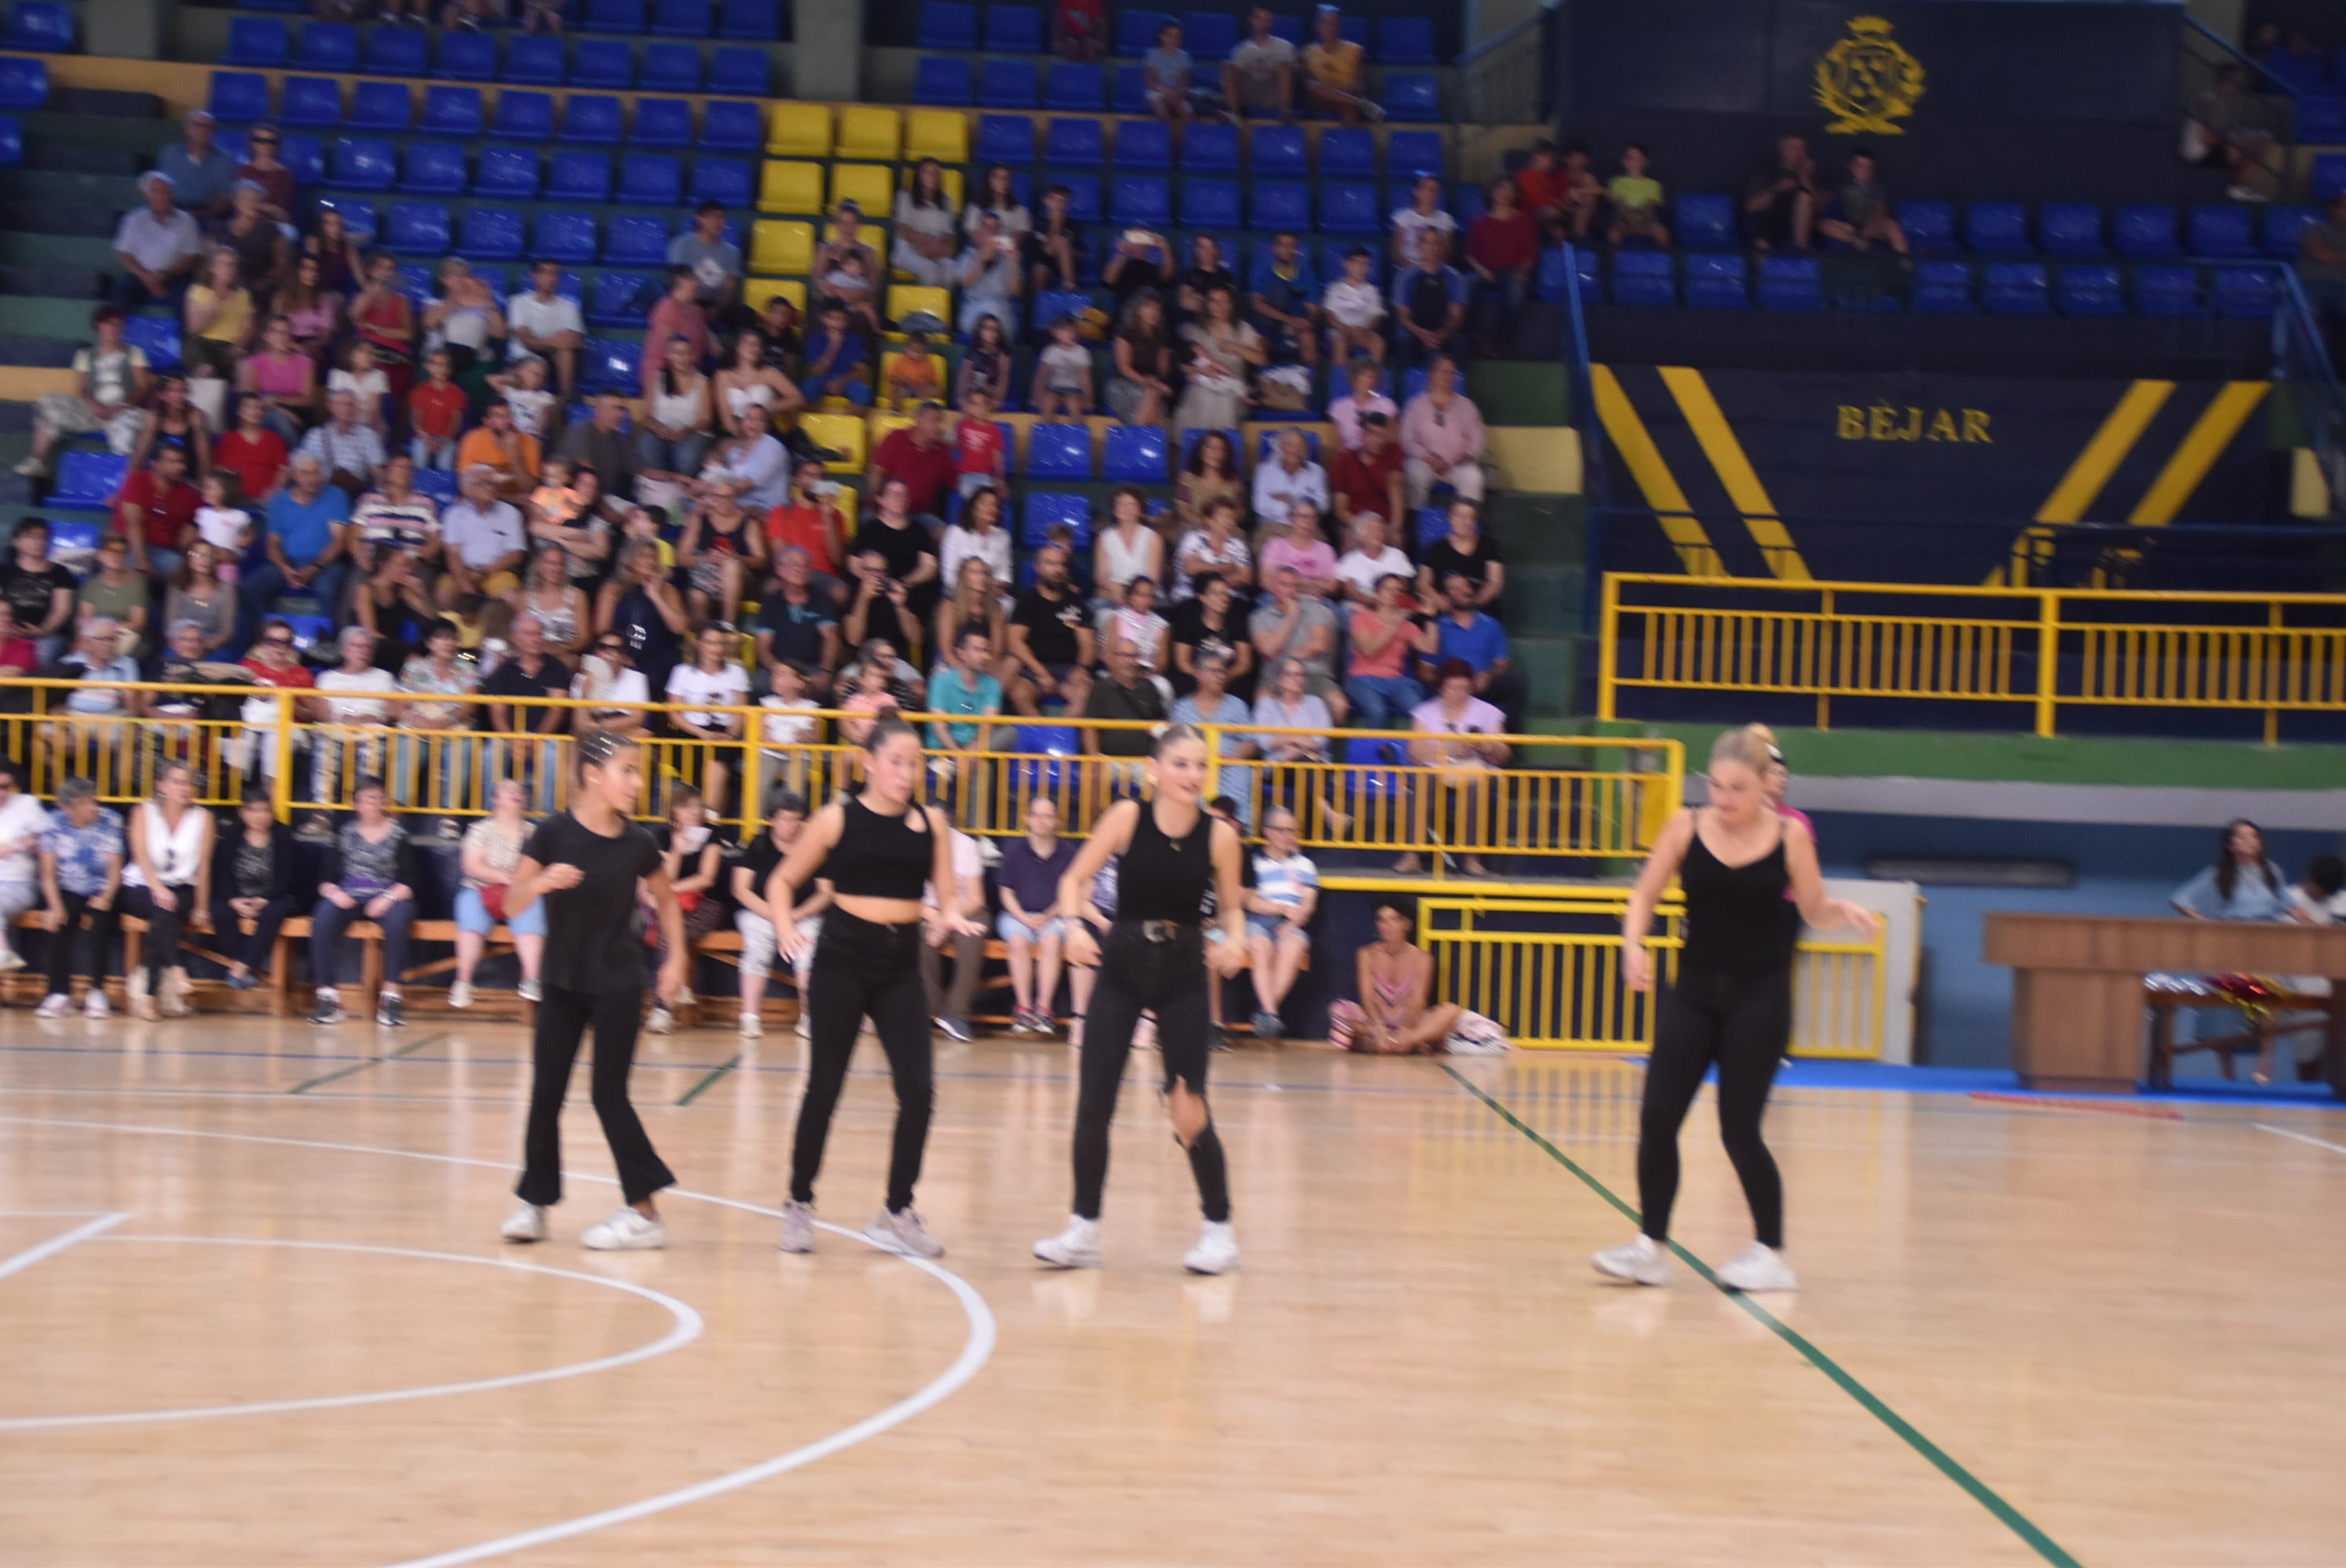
(1157, 930)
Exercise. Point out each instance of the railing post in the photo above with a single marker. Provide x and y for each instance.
(2048, 659)
(281, 742)
(1607, 629)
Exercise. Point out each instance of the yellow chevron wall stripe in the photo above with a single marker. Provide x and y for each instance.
(2212, 431)
(1735, 471)
(1635, 444)
(2082, 485)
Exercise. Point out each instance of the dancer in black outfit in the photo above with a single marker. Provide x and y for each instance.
(877, 850)
(1731, 1002)
(586, 864)
(1154, 957)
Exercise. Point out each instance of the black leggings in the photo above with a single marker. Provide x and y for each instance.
(165, 927)
(63, 940)
(563, 1019)
(1170, 979)
(256, 951)
(864, 969)
(1742, 1022)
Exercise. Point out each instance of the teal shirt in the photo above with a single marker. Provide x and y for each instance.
(2253, 897)
(950, 692)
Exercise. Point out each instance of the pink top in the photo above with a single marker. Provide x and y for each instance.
(1315, 562)
(1442, 437)
(275, 377)
(1345, 414)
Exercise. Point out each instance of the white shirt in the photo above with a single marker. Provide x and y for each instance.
(370, 389)
(356, 709)
(480, 537)
(1354, 304)
(1276, 490)
(992, 548)
(628, 689)
(525, 312)
(1409, 223)
(1364, 572)
(531, 410)
(223, 527)
(781, 731)
(969, 869)
(727, 685)
(22, 822)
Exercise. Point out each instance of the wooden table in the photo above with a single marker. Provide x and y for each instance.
(2076, 986)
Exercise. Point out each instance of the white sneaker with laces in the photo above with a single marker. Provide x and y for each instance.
(94, 1004)
(1077, 1247)
(753, 1026)
(1644, 1262)
(1217, 1252)
(900, 1230)
(798, 1228)
(531, 991)
(525, 1223)
(11, 959)
(661, 1022)
(626, 1231)
(460, 995)
(56, 1005)
(1759, 1268)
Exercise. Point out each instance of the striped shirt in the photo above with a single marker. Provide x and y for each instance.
(1284, 883)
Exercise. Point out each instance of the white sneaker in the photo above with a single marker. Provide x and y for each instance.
(1077, 1247)
(661, 1022)
(1644, 1262)
(625, 1231)
(33, 468)
(56, 1005)
(11, 959)
(798, 1228)
(1759, 1268)
(806, 1029)
(900, 1230)
(460, 995)
(1217, 1252)
(525, 1223)
(753, 1026)
(532, 992)
(94, 1004)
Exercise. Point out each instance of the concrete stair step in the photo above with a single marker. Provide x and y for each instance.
(1543, 600)
(104, 101)
(35, 216)
(62, 283)
(1552, 529)
(1550, 666)
(41, 353)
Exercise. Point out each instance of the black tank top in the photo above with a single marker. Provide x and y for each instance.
(880, 857)
(1737, 918)
(1162, 878)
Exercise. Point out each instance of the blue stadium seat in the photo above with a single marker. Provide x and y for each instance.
(1997, 228)
(1705, 220)
(1209, 204)
(11, 141)
(2015, 288)
(415, 281)
(1005, 138)
(1349, 207)
(1556, 269)
(565, 237)
(311, 101)
(650, 179)
(490, 234)
(256, 41)
(86, 478)
(1075, 87)
(2285, 226)
(946, 25)
(672, 68)
(1046, 509)
(1135, 32)
(1143, 144)
(438, 483)
(2244, 292)
(728, 126)
(525, 116)
(451, 111)
(1276, 152)
(730, 181)
(2070, 228)
(1280, 204)
(2218, 229)
(23, 84)
(359, 218)
(466, 58)
(362, 163)
(1930, 225)
(1643, 278)
(432, 168)
(1209, 36)
(2321, 117)
(615, 15)
(1014, 30)
(1136, 454)
(418, 228)
(751, 21)
(510, 172)
(663, 123)
(608, 365)
(2091, 290)
(1077, 142)
(1054, 303)
(1210, 146)
(1333, 251)
(1469, 202)
(1142, 199)
(742, 73)
(1083, 193)
(325, 47)
(158, 336)
(397, 52)
(941, 79)
(1289, 28)
(591, 119)
(1409, 154)
(380, 106)
(1059, 452)
(2146, 228)
(682, 18)
(618, 300)
(603, 63)
(237, 97)
(1716, 282)
(304, 155)
(1405, 41)
(1192, 435)
(533, 59)
(1411, 96)
(45, 27)
(2167, 291)
(1129, 93)
(1006, 84)
(1349, 154)
(1790, 283)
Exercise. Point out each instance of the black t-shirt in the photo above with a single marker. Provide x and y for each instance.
(796, 630)
(592, 944)
(509, 679)
(1142, 702)
(902, 547)
(760, 859)
(29, 593)
(1051, 624)
(1446, 561)
(1190, 630)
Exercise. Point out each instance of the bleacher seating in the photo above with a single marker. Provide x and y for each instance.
(41, 26)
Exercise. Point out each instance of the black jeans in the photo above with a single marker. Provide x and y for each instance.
(1742, 1022)
(1170, 979)
(164, 928)
(862, 969)
(327, 921)
(100, 937)
(258, 950)
(563, 1020)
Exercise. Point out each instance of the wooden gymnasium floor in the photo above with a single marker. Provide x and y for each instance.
(253, 1312)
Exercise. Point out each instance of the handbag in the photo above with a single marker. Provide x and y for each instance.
(493, 899)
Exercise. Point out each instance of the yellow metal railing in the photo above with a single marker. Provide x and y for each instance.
(2266, 654)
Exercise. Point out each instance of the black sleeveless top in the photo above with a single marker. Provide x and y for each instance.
(1162, 878)
(880, 857)
(1737, 921)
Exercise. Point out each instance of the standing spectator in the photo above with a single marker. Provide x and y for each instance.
(156, 246)
(346, 450)
(1210, 474)
(371, 875)
(674, 432)
(919, 455)
(216, 314)
(1463, 552)
(167, 884)
(1222, 354)
(544, 324)
(253, 455)
(925, 229)
(1063, 373)
(464, 319)
(1371, 560)
(1218, 550)
(1080, 29)
(1029, 926)
(1464, 634)
(1637, 199)
(1779, 202)
(1456, 729)
(1336, 71)
(513, 460)
(1259, 82)
(1384, 642)
(82, 853)
(1291, 627)
(1283, 296)
(1057, 250)
(155, 512)
(1429, 304)
(531, 670)
(1859, 214)
(201, 174)
(797, 624)
(714, 262)
(483, 542)
(117, 594)
(1050, 639)
(1424, 215)
(1366, 485)
(1141, 388)
(2242, 884)
(39, 591)
(1355, 312)
(1165, 73)
(1442, 438)
(110, 387)
(1503, 247)
(1290, 477)
(436, 415)
(253, 879)
(989, 274)
(284, 377)
(1279, 918)
(1363, 399)
(604, 446)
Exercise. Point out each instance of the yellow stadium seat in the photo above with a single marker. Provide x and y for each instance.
(799, 130)
(841, 433)
(756, 292)
(868, 131)
(790, 187)
(905, 298)
(951, 178)
(874, 234)
(940, 134)
(871, 185)
(781, 245)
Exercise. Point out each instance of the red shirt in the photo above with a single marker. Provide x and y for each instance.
(1084, 18)
(168, 515)
(437, 408)
(1540, 189)
(927, 470)
(19, 655)
(257, 461)
(1504, 244)
(1363, 480)
(671, 320)
(295, 677)
(977, 446)
(808, 527)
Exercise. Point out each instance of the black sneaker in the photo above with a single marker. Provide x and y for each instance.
(386, 1010)
(329, 1009)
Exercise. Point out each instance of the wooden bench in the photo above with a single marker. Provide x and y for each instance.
(2163, 1048)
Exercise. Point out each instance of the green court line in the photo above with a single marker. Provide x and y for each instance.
(714, 1073)
(1985, 1495)
(409, 1049)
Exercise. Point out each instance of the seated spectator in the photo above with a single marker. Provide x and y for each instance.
(1216, 550)
(723, 554)
(963, 686)
(306, 543)
(1128, 693)
(789, 730)
(1465, 635)
(253, 879)
(978, 536)
(256, 242)
(272, 665)
(483, 542)
(1780, 201)
(1141, 258)
(435, 416)
(360, 377)
(1080, 29)
(1165, 74)
(384, 316)
(347, 451)
(1050, 640)
(878, 605)
(81, 857)
(155, 512)
(1396, 1014)
(568, 510)
(674, 432)
(2321, 267)
(549, 600)
(1207, 270)
(2243, 884)
(1063, 373)
(167, 884)
(201, 598)
(975, 601)
(2230, 128)
(752, 466)
(1637, 201)
(536, 412)
(111, 382)
(603, 676)
(903, 546)
(753, 880)
(283, 376)
(1429, 299)
(491, 852)
(919, 455)
(262, 167)
(1452, 728)
(914, 374)
(985, 367)
(1028, 876)
(313, 311)
(603, 444)
(924, 227)
(353, 698)
(749, 379)
(1363, 378)
(1545, 187)
(1057, 250)
(797, 626)
(1442, 438)
(253, 455)
(1289, 702)
(394, 517)
(175, 421)
(1502, 251)
(543, 323)
(156, 246)
(1384, 642)
(715, 263)
(1141, 389)
(38, 591)
(1282, 300)
(713, 675)
(395, 603)
(435, 742)
(1135, 620)
(1210, 702)
(512, 459)
(997, 192)
(1366, 485)
(981, 449)
(810, 519)
(1355, 312)
(837, 364)
(93, 735)
(1280, 907)
(117, 592)
(1289, 479)
(465, 318)
(1291, 627)
(1208, 628)
(1259, 82)
(201, 175)
(1466, 552)
(1336, 71)
(1424, 215)
(1210, 474)
(1301, 548)
(989, 274)
(1858, 216)
(1127, 547)
(1371, 560)
(370, 875)
(531, 670)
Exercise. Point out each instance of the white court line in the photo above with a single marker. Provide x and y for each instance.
(975, 1351)
(2301, 1137)
(686, 1328)
(56, 1244)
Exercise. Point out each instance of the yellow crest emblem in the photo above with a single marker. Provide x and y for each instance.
(1868, 81)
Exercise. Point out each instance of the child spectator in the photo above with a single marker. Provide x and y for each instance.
(1637, 199)
(224, 525)
(984, 363)
(850, 282)
(523, 390)
(435, 413)
(979, 458)
(835, 360)
(1355, 312)
(1165, 74)
(368, 385)
(1063, 374)
(914, 374)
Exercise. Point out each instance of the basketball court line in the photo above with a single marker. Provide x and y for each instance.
(56, 1244)
(1980, 1492)
(407, 1049)
(714, 1073)
(2301, 1137)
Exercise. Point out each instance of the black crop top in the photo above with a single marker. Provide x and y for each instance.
(1162, 878)
(881, 857)
(1737, 921)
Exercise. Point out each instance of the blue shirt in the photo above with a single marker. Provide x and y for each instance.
(950, 692)
(195, 184)
(1482, 642)
(306, 530)
(2253, 897)
(1286, 295)
(81, 852)
(1454, 283)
